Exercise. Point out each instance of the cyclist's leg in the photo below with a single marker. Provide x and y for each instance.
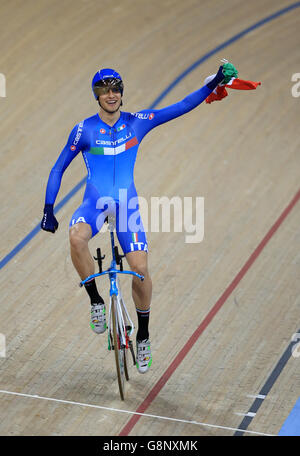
(83, 226)
(80, 234)
(141, 290)
(134, 245)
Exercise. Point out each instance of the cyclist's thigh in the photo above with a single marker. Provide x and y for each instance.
(130, 232)
(87, 213)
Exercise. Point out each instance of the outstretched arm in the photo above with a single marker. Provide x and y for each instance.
(160, 116)
(191, 101)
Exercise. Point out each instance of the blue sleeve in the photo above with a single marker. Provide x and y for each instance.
(77, 142)
(149, 119)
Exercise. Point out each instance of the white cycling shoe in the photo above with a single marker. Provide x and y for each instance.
(143, 356)
(98, 318)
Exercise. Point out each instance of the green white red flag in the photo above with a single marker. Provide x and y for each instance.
(220, 91)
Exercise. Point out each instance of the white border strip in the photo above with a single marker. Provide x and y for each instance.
(257, 396)
(35, 396)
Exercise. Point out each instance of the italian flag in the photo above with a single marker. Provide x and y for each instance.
(114, 150)
(134, 237)
(220, 91)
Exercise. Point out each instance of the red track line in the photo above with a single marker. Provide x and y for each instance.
(195, 336)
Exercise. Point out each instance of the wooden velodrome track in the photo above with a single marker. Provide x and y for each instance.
(224, 310)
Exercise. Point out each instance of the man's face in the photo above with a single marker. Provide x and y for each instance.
(111, 100)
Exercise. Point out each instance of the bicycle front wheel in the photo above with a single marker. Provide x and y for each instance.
(120, 352)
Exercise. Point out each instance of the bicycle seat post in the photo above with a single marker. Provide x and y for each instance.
(111, 220)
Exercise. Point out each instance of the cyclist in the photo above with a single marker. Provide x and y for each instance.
(109, 142)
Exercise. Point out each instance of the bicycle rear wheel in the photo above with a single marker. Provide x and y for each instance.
(120, 352)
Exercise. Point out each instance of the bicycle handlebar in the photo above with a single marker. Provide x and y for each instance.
(110, 271)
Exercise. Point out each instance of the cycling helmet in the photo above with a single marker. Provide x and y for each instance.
(107, 75)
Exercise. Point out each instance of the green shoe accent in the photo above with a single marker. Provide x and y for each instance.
(229, 72)
(149, 364)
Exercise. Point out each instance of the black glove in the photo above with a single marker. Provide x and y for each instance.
(49, 222)
(216, 80)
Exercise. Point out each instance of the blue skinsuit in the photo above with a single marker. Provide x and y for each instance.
(109, 154)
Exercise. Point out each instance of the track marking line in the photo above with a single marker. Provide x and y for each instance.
(146, 415)
(257, 396)
(245, 414)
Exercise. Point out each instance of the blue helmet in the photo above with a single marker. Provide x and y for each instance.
(107, 74)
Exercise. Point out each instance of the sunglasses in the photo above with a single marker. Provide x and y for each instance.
(105, 90)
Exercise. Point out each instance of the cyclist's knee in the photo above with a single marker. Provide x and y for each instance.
(138, 263)
(140, 269)
(79, 235)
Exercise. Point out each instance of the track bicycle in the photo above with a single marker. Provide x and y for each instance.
(119, 326)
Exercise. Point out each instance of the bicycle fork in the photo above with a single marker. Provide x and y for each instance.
(124, 323)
